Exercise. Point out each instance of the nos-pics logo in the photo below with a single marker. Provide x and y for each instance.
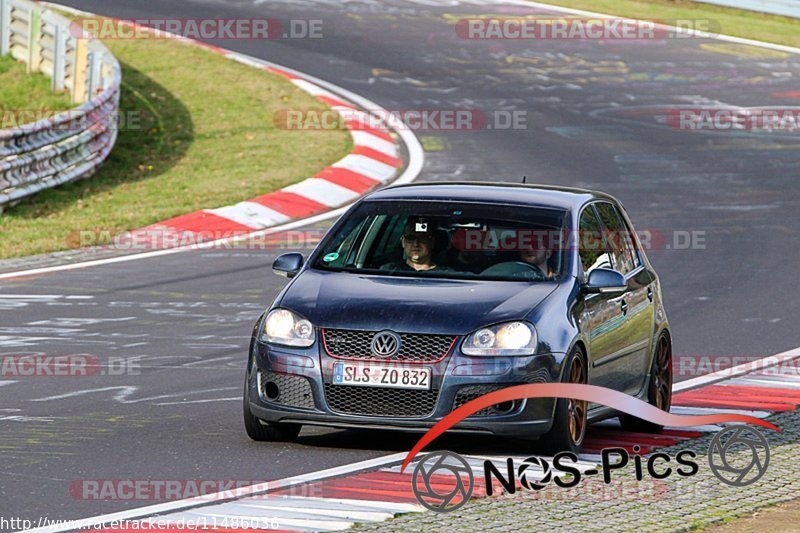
(444, 481)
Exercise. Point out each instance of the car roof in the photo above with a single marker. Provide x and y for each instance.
(491, 192)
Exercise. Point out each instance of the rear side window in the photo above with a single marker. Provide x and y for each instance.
(618, 238)
(628, 241)
(592, 251)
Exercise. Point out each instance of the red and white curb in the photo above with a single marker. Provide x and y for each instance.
(375, 490)
(374, 161)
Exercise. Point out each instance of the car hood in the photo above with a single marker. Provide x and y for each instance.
(345, 300)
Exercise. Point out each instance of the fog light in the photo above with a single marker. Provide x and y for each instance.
(505, 407)
(271, 390)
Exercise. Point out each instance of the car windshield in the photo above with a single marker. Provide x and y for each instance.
(446, 240)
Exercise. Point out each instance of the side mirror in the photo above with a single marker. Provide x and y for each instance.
(288, 264)
(605, 280)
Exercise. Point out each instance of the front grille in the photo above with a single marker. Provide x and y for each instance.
(414, 347)
(294, 391)
(374, 401)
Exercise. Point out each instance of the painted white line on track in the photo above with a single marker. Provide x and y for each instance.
(685, 410)
(298, 512)
(313, 89)
(132, 514)
(769, 375)
(124, 391)
(2, 383)
(332, 509)
(237, 398)
(763, 383)
(775, 382)
(43, 297)
(391, 507)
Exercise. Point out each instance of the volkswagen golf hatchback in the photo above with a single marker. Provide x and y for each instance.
(423, 297)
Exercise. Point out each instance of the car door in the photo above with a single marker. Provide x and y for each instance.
(602, 316)
(630, 363)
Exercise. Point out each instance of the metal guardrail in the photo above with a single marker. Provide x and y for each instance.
(71, 144)
(787, 8)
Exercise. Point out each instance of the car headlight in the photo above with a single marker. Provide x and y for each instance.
(510, 338)
(285, 327)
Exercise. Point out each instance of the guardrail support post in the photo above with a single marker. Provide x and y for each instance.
(34, 37)
(95, 64)
(5, 26)
(59, 50)
(81, 73)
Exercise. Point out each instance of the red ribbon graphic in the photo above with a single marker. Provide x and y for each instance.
(590, 393)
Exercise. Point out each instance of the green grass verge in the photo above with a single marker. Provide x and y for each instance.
(737, 22)
(196, 132)
(24, 95)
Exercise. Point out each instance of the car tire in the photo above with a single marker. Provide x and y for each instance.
(659, 388)
(261, 431)
(570, 420)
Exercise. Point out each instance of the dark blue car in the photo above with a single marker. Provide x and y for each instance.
(425, 296)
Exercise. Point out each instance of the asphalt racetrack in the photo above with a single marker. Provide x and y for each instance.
(589, 112)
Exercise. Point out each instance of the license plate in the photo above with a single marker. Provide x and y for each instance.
(369, 375)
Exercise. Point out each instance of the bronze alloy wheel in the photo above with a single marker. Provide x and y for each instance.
(662, 375)
(576, 409)
(659, 389)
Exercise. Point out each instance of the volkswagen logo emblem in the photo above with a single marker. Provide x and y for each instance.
(385, 344)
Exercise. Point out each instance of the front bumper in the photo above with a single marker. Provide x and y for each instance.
(295, 385)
